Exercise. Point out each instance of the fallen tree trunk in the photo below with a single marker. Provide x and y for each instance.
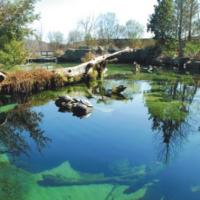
(41, 79)
(86, 68)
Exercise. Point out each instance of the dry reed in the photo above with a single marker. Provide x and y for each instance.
(23, 82)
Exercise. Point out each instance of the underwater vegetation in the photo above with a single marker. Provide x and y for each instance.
(18, 184)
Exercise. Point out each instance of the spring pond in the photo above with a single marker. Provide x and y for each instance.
(143, 144)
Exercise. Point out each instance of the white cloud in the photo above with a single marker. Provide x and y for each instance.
(63, 15)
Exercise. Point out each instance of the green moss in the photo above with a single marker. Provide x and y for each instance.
(165, 110)
(168, 100)
(64, 170)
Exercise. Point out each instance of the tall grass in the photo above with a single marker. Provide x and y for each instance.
(23, 82)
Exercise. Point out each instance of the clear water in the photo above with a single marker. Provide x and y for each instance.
(144, 145)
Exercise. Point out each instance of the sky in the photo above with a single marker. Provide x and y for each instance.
(63, 15)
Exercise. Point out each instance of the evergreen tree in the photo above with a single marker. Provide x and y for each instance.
(160, 22)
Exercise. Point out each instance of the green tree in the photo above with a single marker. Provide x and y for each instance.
(160, 22)
(13, 53)
(15, 16)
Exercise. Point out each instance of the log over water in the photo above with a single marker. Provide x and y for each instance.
(24, 82)
(86, 68)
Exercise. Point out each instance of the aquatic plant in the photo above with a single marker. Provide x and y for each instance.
(14, 183)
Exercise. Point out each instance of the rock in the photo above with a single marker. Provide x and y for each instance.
(86, 102)
(63, 100)
(67, 99)
(79, 107)
(81, 110)
(118, 90)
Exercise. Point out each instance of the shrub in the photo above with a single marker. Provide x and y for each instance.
(192, 49)
(58, 53)
(13, 53)
(169, 49)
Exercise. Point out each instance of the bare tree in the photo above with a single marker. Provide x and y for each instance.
(56, 40)
(133, 29)
(87, 26)
(193, 10)
(74, 37)
(107, 26)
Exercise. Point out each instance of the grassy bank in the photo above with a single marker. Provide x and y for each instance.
(30, 81)
(37, 78)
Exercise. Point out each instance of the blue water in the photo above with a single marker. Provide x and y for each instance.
(120, 131)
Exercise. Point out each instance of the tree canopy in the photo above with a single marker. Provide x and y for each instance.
(175, 20)
(15, 16)
(160, 22)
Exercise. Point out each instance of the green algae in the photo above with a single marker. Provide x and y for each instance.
(171, 110)
(167, 100)
(102, 191)
(14, 182)
(17, 184)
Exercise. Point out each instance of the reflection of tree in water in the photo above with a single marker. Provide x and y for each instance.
(17, 124)
(168, 105)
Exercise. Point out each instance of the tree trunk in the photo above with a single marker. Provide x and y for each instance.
(180, 29)
(190, 22)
